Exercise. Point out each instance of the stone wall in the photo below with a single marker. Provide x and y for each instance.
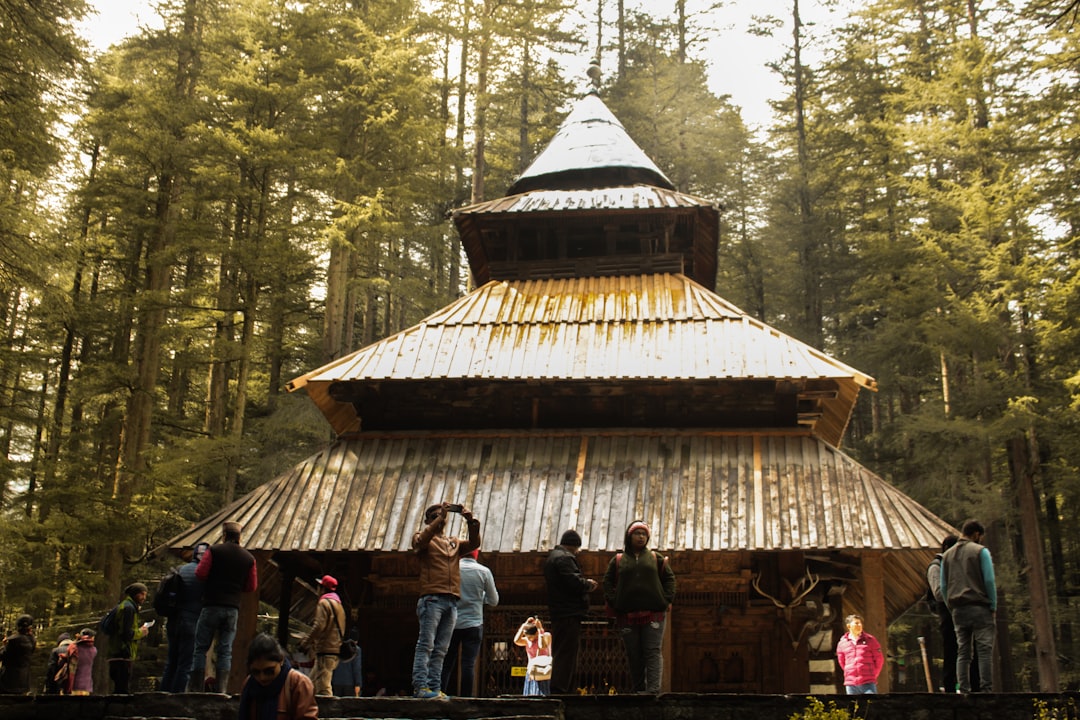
(671, 706)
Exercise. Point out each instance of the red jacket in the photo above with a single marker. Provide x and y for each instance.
(861, 660)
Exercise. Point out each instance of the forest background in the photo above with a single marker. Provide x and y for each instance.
(210, 208)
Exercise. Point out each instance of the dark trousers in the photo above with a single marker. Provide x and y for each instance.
(949, 646)
(565, 639)
(467, 641)
(180, 631)
(120, 674)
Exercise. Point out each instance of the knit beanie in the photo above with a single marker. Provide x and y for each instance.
(570, 538)
(638, 525)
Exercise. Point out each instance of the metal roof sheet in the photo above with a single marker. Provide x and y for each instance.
(699, 491)
(635, 197)
(624, 327)
(589, 141)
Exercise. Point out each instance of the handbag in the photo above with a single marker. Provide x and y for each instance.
(539, 668)
(347, 650)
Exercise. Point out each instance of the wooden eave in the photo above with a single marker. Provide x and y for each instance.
(700, 490)
(605, 333)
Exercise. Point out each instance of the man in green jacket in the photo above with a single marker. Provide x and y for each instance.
(124, 643)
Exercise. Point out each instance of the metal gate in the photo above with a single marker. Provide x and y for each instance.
(601, 665)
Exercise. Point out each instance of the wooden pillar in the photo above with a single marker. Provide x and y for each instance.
(246, 622)
(284, 604)
(875, 620)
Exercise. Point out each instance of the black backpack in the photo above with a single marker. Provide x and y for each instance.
(167, 597)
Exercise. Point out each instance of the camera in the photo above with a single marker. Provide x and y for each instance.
(456, 508)
(530, 629)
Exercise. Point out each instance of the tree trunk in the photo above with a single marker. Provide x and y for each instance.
(807, 249)
(1024, 466)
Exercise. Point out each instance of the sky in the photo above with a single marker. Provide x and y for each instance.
(737, 60)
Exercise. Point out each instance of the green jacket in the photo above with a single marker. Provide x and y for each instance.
(124, 643)
(635, 583)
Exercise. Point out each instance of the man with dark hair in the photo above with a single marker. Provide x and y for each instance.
(180, 626)
(440, 588)
(227, 571)
(477, 590)
(568, 604)
(969, 589)
(15, 655)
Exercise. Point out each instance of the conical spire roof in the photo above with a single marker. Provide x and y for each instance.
(591, 149)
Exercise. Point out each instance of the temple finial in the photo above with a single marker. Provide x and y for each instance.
(594, 74)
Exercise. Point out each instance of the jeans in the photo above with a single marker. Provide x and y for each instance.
(437, 615)
(214, 619)
(864, 689)
(180, 632)
(566, 638)
(974, 626)
(644, 653)
(468, 640)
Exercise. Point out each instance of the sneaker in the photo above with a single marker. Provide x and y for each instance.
(426, 693)
(443, 696)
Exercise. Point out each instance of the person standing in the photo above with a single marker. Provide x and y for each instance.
(945, 624)
(477, 590)
(81, 654)
(568, 604)
(124, 643)
(348, 678)
(860, 658)
(324, 641)
(440, 589)
(57, 658)
(180, 627)
(15, 657)
(537, 643)
(969, 588)
(639, 587)
(227, 571)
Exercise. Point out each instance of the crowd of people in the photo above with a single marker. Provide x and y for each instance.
(638, 589)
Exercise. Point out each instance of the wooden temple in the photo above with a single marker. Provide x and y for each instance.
(592, 378)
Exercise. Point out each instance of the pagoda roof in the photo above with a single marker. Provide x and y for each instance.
(699, 491)
(662, 327)
(590, 149)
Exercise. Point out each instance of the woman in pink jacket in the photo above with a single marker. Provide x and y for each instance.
(860, 658)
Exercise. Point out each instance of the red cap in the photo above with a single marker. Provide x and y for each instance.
(329, 582)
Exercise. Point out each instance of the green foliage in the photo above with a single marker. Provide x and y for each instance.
(817, 710)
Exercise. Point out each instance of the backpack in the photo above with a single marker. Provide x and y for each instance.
(108, 623)
(928, 595)
(167, 596)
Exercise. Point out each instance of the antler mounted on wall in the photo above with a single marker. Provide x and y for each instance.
(797, 592)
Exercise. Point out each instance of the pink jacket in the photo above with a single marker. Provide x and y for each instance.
(861, 660)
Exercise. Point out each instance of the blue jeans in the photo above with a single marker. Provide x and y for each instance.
(437, 615)
(864, 689)
(468, 640)
(644, 652)
(974, 626)
(220, 621)
(180, 632)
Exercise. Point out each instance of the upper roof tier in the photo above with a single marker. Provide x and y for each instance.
(591, 204)
(591, 149)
